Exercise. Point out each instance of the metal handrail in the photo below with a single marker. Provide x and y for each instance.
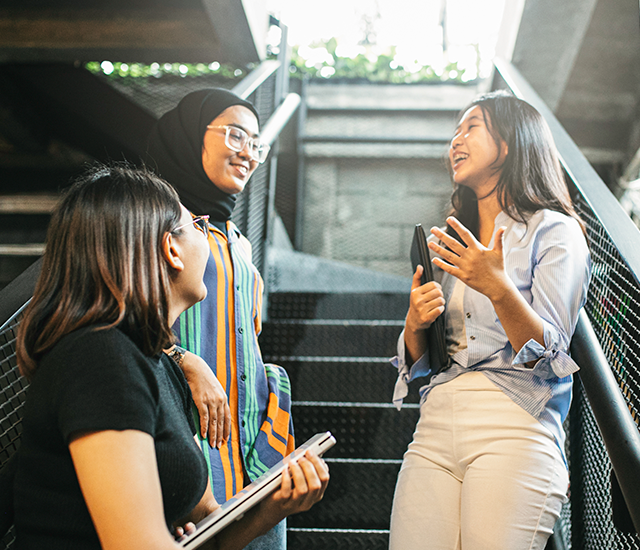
(18, 292)
(280, 118)
(255, 78)
(619, 431)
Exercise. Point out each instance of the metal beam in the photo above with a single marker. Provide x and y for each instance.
(232, 27)
(255, 78)
(97, 33)
(549, 39)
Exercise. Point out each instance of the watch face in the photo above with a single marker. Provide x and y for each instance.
(177, 354)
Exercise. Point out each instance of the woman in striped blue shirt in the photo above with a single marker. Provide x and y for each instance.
(486, 468)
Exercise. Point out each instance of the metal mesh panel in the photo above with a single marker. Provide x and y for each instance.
(160, 94)
(592, 522)
(613, 307)
(13, 389)
(251, 209)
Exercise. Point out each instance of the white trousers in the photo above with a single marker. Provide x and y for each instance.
(480, 474)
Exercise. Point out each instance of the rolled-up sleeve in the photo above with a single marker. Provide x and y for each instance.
(549, 362)
(560, 282)
(405, 373)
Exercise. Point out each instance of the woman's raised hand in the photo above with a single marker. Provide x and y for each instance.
(426, 303)
(477, 266)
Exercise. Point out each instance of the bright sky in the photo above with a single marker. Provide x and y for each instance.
(413, 26)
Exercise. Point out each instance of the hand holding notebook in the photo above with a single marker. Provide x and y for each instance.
(436, 344)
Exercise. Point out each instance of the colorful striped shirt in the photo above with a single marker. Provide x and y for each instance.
(223, 329)
(548, 260)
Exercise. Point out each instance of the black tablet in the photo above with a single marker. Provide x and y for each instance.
(435, 333)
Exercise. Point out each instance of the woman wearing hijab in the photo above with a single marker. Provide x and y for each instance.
(208, 147)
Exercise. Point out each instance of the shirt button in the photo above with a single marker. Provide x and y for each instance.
(472, 337)
(243, 423)
(243, 377)
(468, 315)
(240, 330)
(237, 287)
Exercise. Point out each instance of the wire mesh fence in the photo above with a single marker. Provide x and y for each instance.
(251, 207)
(158, 94)
(13, 390)
(369, 176)
(613, 307)
(592, 519)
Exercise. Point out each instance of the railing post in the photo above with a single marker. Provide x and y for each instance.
(302, 118)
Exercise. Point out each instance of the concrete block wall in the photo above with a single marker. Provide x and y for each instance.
(362, 198)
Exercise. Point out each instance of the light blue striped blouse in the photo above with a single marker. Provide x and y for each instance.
(548, 260)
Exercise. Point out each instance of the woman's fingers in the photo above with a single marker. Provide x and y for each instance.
(453, 244)
(461, 230)
(286, 485)
(444, 253)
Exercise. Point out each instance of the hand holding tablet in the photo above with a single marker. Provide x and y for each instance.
(294, 481)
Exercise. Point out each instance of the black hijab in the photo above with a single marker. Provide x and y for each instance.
(175, 151)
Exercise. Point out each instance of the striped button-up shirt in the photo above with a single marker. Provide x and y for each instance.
(223, 329)
(548, 260)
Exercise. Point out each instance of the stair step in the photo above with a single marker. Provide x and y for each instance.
(349, 338)
(337, 539)
(362, 430)
(295, 305)
(361, 379)
(33, 249)
(353, 483)
(28, 204)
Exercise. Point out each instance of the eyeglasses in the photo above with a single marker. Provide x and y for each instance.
(237, 139)
(200, 222)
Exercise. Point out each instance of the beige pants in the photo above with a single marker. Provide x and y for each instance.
(480, 474)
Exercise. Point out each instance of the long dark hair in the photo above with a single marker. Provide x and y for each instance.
(103, 263)
(531, 177)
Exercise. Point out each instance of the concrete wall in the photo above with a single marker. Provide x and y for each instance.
(362, 199)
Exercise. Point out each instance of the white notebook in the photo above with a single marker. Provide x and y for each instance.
(253, 493)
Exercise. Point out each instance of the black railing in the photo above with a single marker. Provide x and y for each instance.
(604, 509)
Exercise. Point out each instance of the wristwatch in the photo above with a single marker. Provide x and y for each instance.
(177, 354)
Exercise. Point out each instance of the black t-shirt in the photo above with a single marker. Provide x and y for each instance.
(96, 380)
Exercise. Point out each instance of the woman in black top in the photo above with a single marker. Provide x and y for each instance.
(108, 458)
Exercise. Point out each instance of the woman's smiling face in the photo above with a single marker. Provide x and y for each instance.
(228, 170)
(476, 160)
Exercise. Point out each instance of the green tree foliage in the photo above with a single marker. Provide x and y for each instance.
(381, 68)
(373, 68)
(157, 70)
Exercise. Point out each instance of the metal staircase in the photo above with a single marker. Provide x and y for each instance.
(336, 349)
